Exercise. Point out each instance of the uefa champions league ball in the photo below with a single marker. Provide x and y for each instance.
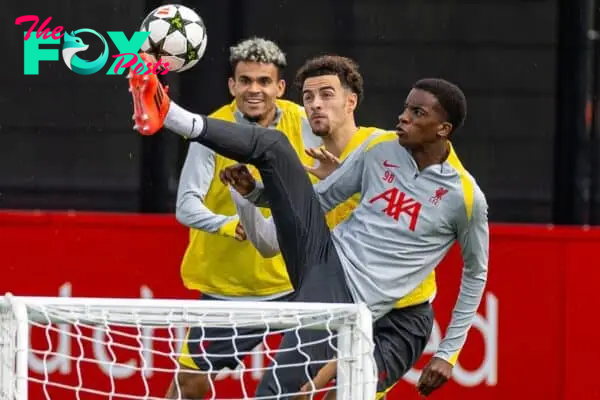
(177, 36)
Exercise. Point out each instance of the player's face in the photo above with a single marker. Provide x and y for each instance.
(423, 120)
(327, 103)
(255, 87)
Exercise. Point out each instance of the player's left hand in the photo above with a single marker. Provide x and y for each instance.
(324, 376)
(327, 162)
(436, 373)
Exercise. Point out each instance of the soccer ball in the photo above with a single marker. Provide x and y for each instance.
(177, 36)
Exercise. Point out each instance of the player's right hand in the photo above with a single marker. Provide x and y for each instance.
(240, 233)
(239, 177)
(327, 162)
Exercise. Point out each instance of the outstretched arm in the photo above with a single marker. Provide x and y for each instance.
(473, 237)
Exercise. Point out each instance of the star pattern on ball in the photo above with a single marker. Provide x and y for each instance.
(177, 24)
(177, 34)
(156, 48)
(191, 52)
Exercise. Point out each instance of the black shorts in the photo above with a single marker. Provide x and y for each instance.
(400, 337)
(212, 349)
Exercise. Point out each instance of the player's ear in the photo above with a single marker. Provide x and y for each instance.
(352, 102)
(280, 88)
(231, 84)
(444, 129)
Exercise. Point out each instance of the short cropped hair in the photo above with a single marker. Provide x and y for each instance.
(258, 50)
(450, 97)
(345, 68)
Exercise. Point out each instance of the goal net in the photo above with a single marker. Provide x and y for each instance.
(103, 348)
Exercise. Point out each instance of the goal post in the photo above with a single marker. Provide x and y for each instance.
(140, 338)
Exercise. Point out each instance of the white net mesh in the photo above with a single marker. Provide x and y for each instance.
(83, 348)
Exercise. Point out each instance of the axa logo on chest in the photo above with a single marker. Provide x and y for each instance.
(73, 44)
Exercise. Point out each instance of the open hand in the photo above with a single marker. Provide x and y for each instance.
(327, 162)
(436, 373)
(239, 177)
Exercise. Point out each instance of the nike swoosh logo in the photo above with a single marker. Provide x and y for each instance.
(387, 164)
(193, 126)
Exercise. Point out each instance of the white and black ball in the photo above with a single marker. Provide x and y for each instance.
(177, 36)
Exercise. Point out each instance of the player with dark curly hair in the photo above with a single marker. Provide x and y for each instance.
(325, 83)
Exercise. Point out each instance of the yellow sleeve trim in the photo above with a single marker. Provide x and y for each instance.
(454, 358)
(387, 137)
(381, 395)
(228, 228)
(468, 187)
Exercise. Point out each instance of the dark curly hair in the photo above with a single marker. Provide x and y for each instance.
(345, 68)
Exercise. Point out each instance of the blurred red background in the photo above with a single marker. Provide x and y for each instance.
(534, 337)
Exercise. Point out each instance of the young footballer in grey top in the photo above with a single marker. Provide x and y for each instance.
(416, 200)
(407, 220)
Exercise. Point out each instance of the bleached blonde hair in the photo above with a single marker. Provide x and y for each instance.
(259, 50)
